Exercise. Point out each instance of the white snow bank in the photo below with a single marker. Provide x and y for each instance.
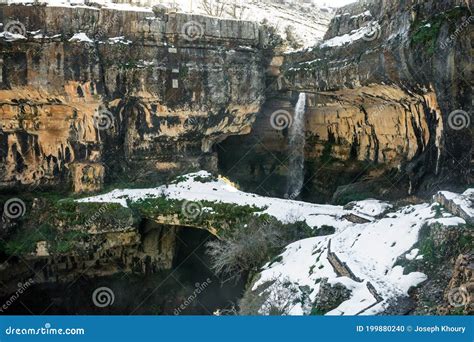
(81, 37)
(369, 208)
(127, 7)
(42, 36)
(369, 31)
(364, 14)
(412, 254)
(448, 221)
(119, 40)
(11, 37)
(287, 211)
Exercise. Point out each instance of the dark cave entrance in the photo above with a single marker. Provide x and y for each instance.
(189, 288)
(247, 162)
(195, 269)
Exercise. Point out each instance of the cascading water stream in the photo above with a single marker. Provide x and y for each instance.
(296, 148)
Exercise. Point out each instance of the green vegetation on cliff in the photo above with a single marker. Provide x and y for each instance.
(213, 215)
(64, 225)
(425, 33)
(438, 244)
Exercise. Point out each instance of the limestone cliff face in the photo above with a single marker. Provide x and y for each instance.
(389, 101)
(88, 93)
(408, 74)
(99, 96)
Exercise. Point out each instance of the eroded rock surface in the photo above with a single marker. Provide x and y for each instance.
(124, 89)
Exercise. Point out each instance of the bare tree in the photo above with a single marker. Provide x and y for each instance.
(292, 37)
(247, 248)
(275, 297)
(224, 8)
(215, 8)
(251, 244)
(235, 9)
(281, 298)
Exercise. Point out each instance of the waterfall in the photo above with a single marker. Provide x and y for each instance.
(296, 148)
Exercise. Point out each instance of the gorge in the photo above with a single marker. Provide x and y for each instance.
(134, 141)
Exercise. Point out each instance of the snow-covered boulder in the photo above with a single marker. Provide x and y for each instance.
(461, 205)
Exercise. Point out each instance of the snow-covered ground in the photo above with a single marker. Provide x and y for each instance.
(309, 22)
(287, 211)
(370, 31)
(369, 250)
(308, 19)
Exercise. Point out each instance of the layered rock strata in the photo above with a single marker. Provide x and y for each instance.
(131, 95)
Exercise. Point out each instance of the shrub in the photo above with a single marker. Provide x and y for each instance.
(252, 244)
(276, 297)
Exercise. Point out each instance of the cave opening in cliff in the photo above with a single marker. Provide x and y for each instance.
(188, 287)
(246, 161)
(195, 268)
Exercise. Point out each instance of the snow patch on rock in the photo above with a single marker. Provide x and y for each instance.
(80, 37)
